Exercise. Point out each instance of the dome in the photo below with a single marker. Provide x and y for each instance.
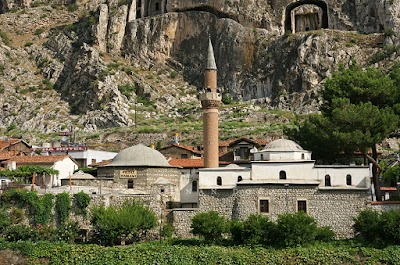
(283, 145)
(139, 156)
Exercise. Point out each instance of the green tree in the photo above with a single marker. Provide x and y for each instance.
(63, 206)
(368, 225)
(391, 176)
(209, 225)
(360, 109)
(128, 222)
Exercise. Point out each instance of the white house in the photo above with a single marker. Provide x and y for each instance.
(63, 163)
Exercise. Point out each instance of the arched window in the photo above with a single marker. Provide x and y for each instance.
(302, 156)
(157, 6)
(348, 179)
(262, 157)
(328, 180)
(282, 174)
(240, 179)
(219, 181)
(130, 184)
(194, 186)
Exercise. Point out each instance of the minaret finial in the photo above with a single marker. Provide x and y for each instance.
(211, 65)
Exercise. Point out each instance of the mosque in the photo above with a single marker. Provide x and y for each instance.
(281, 178)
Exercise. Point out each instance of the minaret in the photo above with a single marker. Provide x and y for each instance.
(210, 102)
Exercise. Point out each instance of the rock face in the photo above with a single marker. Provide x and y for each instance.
(277, 53)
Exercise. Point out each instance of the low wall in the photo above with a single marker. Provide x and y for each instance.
(182, 220)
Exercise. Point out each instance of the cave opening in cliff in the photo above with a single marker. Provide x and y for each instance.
(306, 15)
(156, 7)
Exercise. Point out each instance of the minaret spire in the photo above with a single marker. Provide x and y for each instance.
(210, 102)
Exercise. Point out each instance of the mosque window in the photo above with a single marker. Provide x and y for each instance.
(130, 184)
(239, 179)
(264, 206)
(302, 156)
(348, 179)
(282, 174)
(194, 186)
(219, 181)
(262, 157)
(328, 180)
(302, 206)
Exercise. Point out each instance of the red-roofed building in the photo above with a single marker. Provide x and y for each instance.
(63, 163)
(17, 146)
(181, 151)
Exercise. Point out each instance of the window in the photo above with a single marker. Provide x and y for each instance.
(328, 180)
(130, 184)
(348, 179)
(302, 206)
(282, 175)
(93, 161)
(240, 179)
(194, 186)
(157, 6)
(184, 155)
(302, 156)
(262, 157)
(264, 206)
(219, 181)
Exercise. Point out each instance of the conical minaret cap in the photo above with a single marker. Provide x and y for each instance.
(211, 65)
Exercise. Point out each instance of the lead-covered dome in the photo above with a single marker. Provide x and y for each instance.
(283, 145)
(139, 156)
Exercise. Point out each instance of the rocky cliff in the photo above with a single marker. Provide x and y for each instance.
(89, 63)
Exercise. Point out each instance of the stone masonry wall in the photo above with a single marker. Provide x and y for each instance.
(385, 206)
(221, 201)
(334, 208)
(182, 220)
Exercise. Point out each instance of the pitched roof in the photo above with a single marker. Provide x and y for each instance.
(101, 163)
(38, 159)
(9, 142)
(190, 148)
(5, 155)
(191, 163)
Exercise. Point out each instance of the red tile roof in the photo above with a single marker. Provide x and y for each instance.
(191, 163)
(37, 159)
(101, 163)
(185, 147)
(6, 143)
(5, 155)
(388, 188)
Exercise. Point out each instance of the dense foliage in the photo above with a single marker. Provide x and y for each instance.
(63, 207)
(82, 201)
(391, 176)
(27, 171)
(128, 222)
(155, 253)
(289, 229)
(376, 227)
(209, 225)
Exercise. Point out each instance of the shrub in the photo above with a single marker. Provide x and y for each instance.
(209, 225)
(390, 221)
(325, 234)
(296, 229)
(18, 232)
(128, 222)
(4, 219)
(367, 225)
(258, 229)
(68, 232)
(82, 201)
(391, 176)
(63, 207)
(236, 230)
(168, 231)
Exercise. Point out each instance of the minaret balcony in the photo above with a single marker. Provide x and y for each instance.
(210, 96)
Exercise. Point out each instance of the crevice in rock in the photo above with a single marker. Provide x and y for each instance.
(211, 10)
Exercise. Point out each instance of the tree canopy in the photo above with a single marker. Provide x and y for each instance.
(27, 171)
(361, 108)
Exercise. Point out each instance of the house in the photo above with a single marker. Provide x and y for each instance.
(63, 163)
(16, 146)
(177, 150)
(82, 155)
(238, 151)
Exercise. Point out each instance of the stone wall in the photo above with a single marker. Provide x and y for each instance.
(221, 201)
(182, 220)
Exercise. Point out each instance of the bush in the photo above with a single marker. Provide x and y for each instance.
(390, 221)
(82, 201)
(324, 234)
(236, 230)
(391, 176)
(128, 222)
(209, 225)
(296, 229)
(258, 229)
(68, 232)
(18, 232)
(367, 226)
(4, 219)
(63, 207)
